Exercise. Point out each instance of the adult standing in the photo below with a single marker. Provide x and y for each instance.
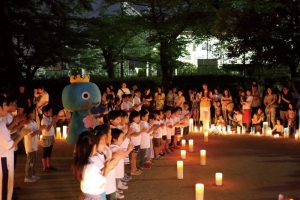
(43, 100)
(216, 96)
(284, 99)
(179, 100)
(23, 99)
(271, 104)
(107, 91)
(123, 90)
(205, 101)
(227, 104)
(257, 99)
(247, 109)
(147, 99)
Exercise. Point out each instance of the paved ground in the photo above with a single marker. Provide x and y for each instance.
(253, 167)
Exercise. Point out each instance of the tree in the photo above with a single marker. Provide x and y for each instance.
(268, 29)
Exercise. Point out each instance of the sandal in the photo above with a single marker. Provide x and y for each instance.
(136, 173)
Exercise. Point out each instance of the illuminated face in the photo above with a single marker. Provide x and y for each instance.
(248, 93)
(120, 139)
(3, 110)
(269, 91)
(102, 144)
(116, 122)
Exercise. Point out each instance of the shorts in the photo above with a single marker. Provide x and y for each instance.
(156, 142)
(186, 130)
(47, 141)
(164, 137)
(177, 130)
(136, 149)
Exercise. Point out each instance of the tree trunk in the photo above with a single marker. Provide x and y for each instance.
(109, 64)
(110, 72)
(164, 64)
(293, 69)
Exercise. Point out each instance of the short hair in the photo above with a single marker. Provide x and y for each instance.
(2, 100)
(112, 115)
(40, 87)
(280, 120)
(124, 96)
(137, 91)
(117, 99)
(10, 99)
(132, 115)
(143, 112)
(186, 103)
(129, 95)
(174, 110)
(151, 116)
(101, 130)
(123, 113)
(178, 108)
(46, 108)
(168, 108)
(115, 134)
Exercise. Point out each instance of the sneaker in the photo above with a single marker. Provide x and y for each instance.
(149, 162)
(29, 180)
(124, 183)
(119, 196)
(125, 179)
(145, 166)
(52, 168)
(136, 173)
(122, 187)
(129, 177)
(162, 153)
(36, 177)
(158, 158)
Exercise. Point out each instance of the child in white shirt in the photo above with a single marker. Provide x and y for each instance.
(169, 128)
(48, 137)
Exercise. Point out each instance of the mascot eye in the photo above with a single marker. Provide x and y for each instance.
(85, 95)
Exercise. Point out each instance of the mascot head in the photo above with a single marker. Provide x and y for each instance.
(80, 94)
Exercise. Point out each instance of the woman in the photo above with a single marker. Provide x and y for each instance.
(247, 109)
(147, 98)
(205, 101)
(271, 104)
(179, 100)
(107, 91)
(257, 120)
(215, 98)
(284, 99)
(227, 104)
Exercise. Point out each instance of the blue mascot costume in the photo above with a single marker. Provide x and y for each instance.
(79, 97)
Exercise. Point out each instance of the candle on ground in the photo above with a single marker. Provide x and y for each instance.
(238, 130)
(191, 124)
(180, 169)
(199, 191)
(58, 134)
(205, 136)
(219, 177)
(65, 131)
(183, 142)
(203, 157)
(183, 154)
(191, 146)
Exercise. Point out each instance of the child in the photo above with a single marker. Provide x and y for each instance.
(218, 110)
(159, 102)
(278, 128)
(111, 102)
(89, 168)
(291, 118)
(48, 137)
(134, 119)
(237, 118)
(118, 103)
(170, 98)
(145, 139)
(220, 121)
(169, 128)
(117, 137)
(177, 127)
(157, 135)
(126, 105)
(162, 118)
(31, 146)
(150, 151)
(184, 119)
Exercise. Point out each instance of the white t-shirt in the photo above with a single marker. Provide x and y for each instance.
(110, 186)
(120, 92)
(183, 114)
(120, 168)
(7, 120)
(145, 140)
(135, 140)
(5, 142)
(47, 121)
(239, 118)
(126, 106)
(170, 131)
(175, 120)
(157, 133)
(137, 101)
(31, 143)
(163, 129)
(93, 181)
(248, 103)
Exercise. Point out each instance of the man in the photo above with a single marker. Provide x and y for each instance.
(7, 145)
(42, 101)
(23, 99)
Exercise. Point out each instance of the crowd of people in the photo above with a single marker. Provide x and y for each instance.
(134, 127)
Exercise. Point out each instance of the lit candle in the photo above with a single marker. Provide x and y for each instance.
(201, 129)
(224, 129)
(199, 191)
(191, 124)
(195, 129)
(205, 136)
(183, 154)
(265, 128)
(252, 130)
(276, 136)
(181, 131)
(219, 177)
(238, 130)
(286, 132)
(243, 130)
(183, 142)
(297, 135)
(41, 136)
(191, 146)
(180, 169)
(58, 134)
(203, 157)
(65, 131)
(258, 133)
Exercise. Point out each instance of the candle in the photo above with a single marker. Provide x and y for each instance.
(58, 134)
(296, 135)
(238, 130)
(183, 154)
(181, 131)
(276, 135)
(203, 157)
(191, 146)
(286, 132)
(183, 142)
(243, 130)
(201, 129)
(258, 133)
(265, 128)
(180, 169)
(191, 124)
(224, 129)
(219, 177)
(65, 131)
(205, 136)
(252, 130)
(199, 191)
(41, 136)
(195, 129)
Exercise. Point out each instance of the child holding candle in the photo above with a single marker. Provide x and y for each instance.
(278, 128)
(48, 137)
(236, 120)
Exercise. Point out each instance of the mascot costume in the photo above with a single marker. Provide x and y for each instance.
(79, 97)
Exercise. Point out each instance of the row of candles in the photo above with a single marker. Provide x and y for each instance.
(63, 134)
(266, 131)
(199, 188)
